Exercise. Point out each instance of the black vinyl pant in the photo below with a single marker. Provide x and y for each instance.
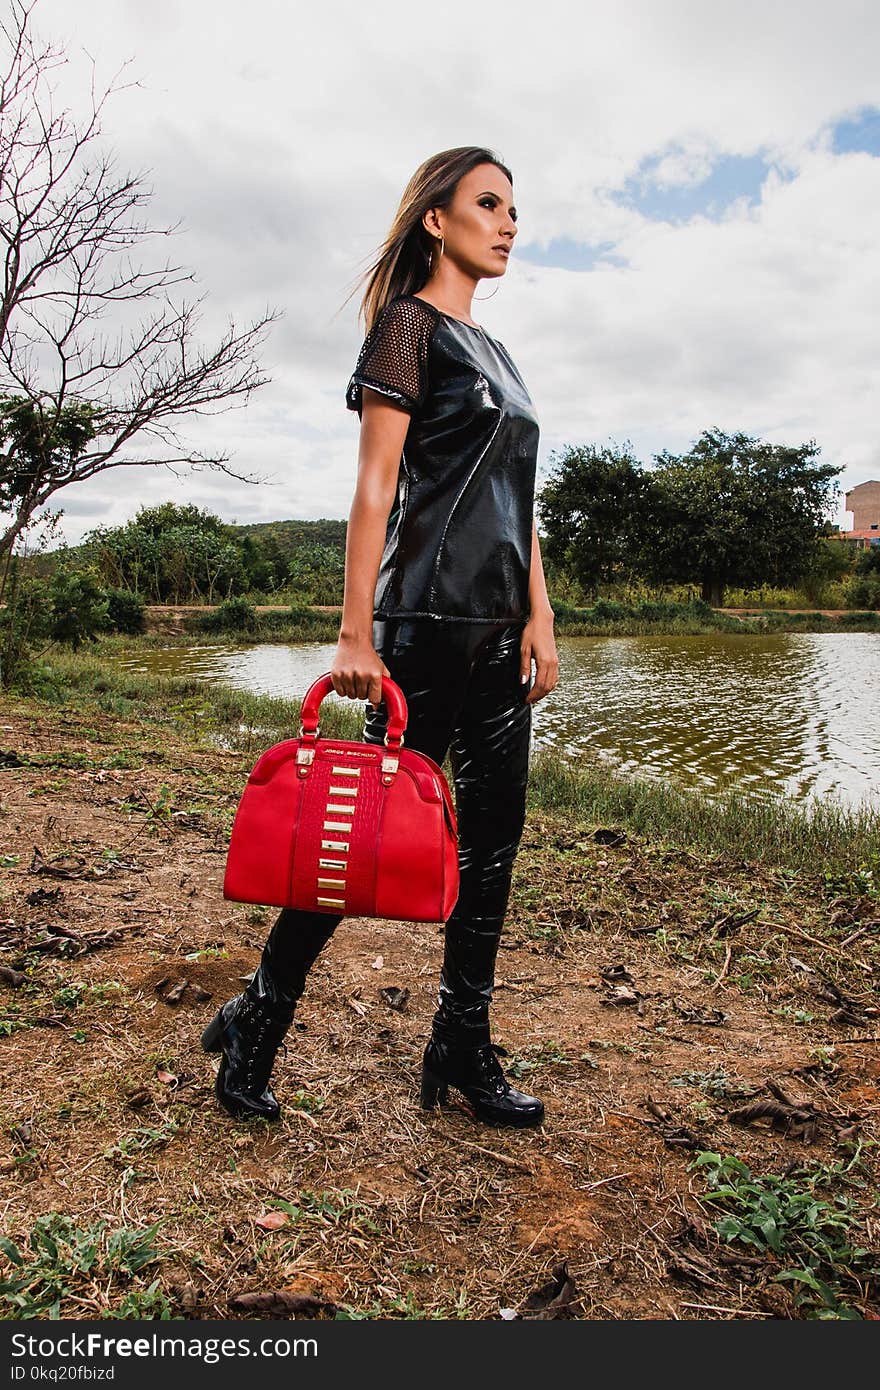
(464, 696)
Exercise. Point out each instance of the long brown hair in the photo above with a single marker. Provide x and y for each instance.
(403, 262)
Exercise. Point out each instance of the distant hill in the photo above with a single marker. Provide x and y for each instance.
(284, 535)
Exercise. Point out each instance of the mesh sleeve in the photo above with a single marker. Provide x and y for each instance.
(394, 356)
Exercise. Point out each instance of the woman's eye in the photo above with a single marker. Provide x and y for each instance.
(488, 203)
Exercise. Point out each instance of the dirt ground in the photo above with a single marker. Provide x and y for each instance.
(662, 1003)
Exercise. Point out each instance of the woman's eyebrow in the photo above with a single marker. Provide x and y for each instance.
(490, 194)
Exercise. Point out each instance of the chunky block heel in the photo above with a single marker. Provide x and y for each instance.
(434, 1090)
(212, 1038)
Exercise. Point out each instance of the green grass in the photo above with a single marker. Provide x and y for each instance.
(140, 1141)
(607, 618)
(408, 1309)
(810, 1240)
(61, 1265)
(329, 1207)
(823, 834)
(604, 618)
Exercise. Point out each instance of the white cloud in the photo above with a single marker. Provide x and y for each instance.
(283, 135)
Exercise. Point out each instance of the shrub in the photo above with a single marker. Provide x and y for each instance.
(605, 610)
(861, 621)
(23, 621)
(233, 615)
(125, 611)
(863, 592)
(78, 607)
(868, 561)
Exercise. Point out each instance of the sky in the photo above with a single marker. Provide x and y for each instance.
(698, 190)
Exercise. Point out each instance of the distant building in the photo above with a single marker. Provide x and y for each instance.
(864, 503)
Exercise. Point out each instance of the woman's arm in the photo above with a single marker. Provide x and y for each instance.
(538, 643)
(357, 669)
(538, 599)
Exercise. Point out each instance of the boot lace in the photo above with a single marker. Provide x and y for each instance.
(491, 1069)
(264, 1035)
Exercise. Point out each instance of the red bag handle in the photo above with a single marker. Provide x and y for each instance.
(391, 693)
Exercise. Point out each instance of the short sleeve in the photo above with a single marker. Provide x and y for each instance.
(394, 357)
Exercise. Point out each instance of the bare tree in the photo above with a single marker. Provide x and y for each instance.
(99, 365)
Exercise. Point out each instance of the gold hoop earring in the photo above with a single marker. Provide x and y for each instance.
(439, 254)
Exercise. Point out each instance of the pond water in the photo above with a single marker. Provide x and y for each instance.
(797, 714)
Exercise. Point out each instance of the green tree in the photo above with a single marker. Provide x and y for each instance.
(318, 571)
(22, 622)
(35, 447)
(863, 591)
(319, 546)
(259, 567)
(125, 611)
(738, 511)
(38, 449)
(592, 510)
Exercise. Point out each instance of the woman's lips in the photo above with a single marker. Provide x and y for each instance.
(502, 250)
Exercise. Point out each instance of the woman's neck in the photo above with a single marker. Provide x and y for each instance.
(452, 293)
(463, 317)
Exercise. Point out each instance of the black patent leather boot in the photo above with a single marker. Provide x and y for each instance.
(475, 1072)
(460, 1053)
(248, 1032)
(250, 1028)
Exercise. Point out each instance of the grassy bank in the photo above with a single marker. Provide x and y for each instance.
(823, 835)
(609, 619)
(603, 619)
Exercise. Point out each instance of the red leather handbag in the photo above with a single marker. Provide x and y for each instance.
(358, 829)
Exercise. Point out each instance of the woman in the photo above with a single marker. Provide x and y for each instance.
(444, 583)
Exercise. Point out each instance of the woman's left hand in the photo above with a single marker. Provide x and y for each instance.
(539, 645)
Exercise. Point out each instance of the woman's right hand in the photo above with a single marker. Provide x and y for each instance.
(357, 670)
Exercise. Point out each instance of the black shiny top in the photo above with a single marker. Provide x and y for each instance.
(459, 540)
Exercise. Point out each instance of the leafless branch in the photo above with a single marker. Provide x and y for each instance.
(82, 320)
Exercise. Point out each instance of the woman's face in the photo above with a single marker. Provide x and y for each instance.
(480, 218)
